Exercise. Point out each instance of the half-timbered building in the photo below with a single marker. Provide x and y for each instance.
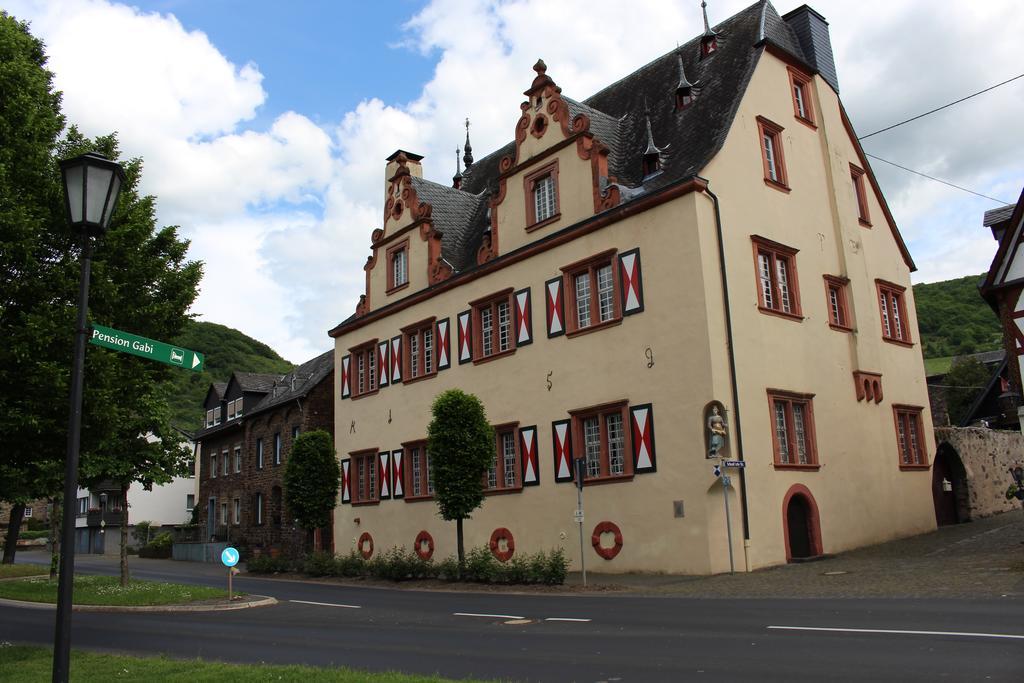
(700, 244)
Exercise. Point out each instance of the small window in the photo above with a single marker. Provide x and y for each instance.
(542, 197)
(778, 289)
(600, 437)
(684, 97)
(190, 501)
(418, 482)
(213, 466)
(593, 294)
(257, 508)
(398, 266)
(894, 312)
(259, 454)
(238, 459)
(83, 505)
(835, 300)
(295, 433)
(364, 481)
(493, 318)
(910, 436)
(225, 463)
(800, 86)
(420, 350)
(651, 164)
(860, 192)
(793, 438)
(364, 364)
(277, 448)
(28, 512)
(224, 514)
(771, 154)
(211, 417)
(237, 509)
(504, 472)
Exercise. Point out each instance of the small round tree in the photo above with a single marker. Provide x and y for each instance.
(461, 446)
(311, 480)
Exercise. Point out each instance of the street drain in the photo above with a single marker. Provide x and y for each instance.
(518, 622)
(835, 573)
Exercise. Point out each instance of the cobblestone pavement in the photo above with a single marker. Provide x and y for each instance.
(982, 559)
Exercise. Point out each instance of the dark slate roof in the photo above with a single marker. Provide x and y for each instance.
(997, 216)
(689, 139)
(298, 382)
(219, 388)
(460, 216)
(255, 381)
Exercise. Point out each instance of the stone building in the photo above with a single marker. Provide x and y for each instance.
(704, 238)
(251, 423)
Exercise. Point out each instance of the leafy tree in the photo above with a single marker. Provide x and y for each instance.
(461, 445)
(967, 378)
(30, 121)
(311, 480)
(142, 282)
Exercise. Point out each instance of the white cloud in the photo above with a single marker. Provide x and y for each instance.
(285, 214)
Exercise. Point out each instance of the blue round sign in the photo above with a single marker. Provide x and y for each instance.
(229, 557)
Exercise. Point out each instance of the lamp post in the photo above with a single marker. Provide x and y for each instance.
(91, 186)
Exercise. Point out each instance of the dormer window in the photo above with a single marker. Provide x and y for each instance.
(234, 408)
(537, 103)
(652, 164)
(684, 97)
(542, 197)
(212, 417)
(398, 266)
(708, 45)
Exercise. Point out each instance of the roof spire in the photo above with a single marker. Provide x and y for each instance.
(708, 41)
(684, 82)
(457, 178)
(467, 158)
(707, 28)
(651, 147)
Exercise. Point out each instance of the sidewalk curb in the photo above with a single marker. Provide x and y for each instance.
(255, 601)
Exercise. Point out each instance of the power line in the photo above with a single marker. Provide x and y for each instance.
(962, 99)
(938, 180)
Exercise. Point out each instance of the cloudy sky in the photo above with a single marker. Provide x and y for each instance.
(264, 125)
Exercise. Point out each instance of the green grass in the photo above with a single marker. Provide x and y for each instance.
(937, 366)
(8, 571)
(23, 664)
(106, 590)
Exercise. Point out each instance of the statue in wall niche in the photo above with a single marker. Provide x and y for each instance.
(718, 430)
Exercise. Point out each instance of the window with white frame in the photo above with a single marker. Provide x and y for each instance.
(238, 459)
(190, 501)
(259, 453)
(237, 510)
(277, 448)
(225, 462)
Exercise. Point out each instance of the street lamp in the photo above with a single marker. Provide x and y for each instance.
(91, 186)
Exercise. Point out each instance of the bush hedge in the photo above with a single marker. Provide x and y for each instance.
(399, 564)
(159, 547)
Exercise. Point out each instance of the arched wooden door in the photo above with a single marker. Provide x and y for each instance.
(801, 524)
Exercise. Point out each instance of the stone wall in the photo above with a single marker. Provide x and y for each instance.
(987, 455)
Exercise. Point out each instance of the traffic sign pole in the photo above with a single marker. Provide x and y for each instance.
(580, 471)
(726, 480)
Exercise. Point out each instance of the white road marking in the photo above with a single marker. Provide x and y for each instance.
(326, 604)
(900, 632)
(489, 616)
(564, 619)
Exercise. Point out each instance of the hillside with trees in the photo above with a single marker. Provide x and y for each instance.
(226, 350)
(954, 320)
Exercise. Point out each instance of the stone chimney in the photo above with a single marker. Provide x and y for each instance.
(812, 32)
(412, 162)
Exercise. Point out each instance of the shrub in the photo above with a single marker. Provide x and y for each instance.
(350, 565)
(320, 564)
(557, 567)
(481, 566)
(159, 547)
(32, 535)
(143, 530)
(448, 568)
(268, 565)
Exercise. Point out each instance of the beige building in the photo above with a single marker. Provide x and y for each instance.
(702, 234)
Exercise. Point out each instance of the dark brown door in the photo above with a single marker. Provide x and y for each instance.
(798, 527)
(943, 477)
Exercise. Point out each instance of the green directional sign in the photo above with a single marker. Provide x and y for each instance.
(126, 342)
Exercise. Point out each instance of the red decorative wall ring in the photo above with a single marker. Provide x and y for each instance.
(424, 545)
(365, 545)
(595, 540)
(499, 535)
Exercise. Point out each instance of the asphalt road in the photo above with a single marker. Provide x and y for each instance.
(562, 637)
